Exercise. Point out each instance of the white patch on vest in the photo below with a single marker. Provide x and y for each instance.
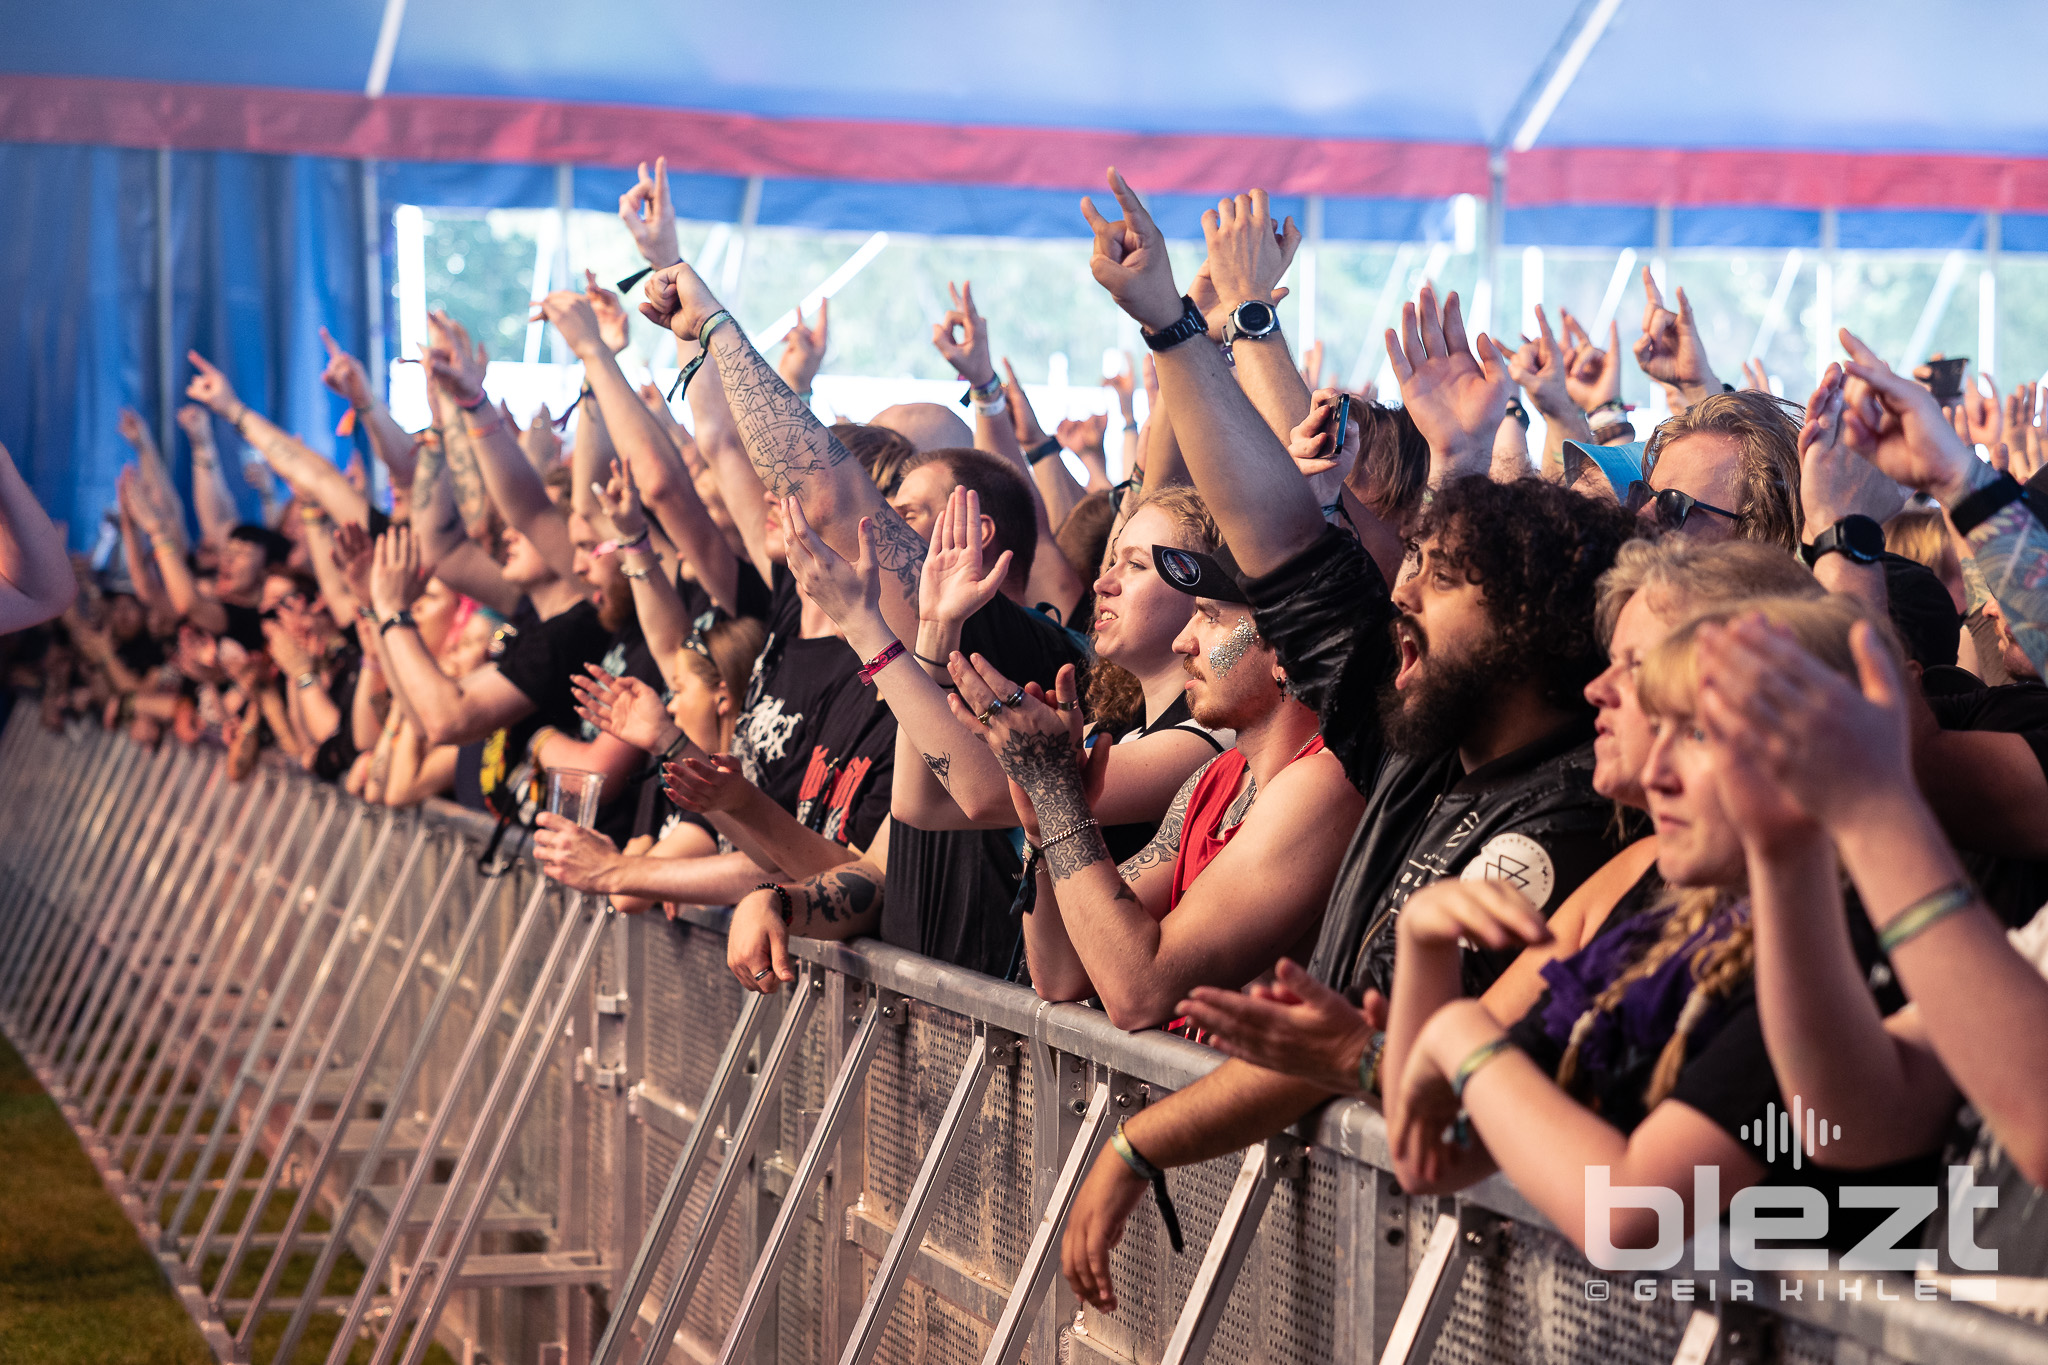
(1517, 860)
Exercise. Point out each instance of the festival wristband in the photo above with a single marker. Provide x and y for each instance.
(1459, 1132)
(889, 655)
(1044, 450)
(1156, 1178)
(1923, 914)
(1369, 1064)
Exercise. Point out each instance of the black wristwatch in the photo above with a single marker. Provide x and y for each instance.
(1191, 324)
(1044, 450)
(1858, 538)
(1252, 320)
(402, 617)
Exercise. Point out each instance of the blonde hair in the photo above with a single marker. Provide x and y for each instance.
(1764, 426)
(1683, 576)
(1667, 685)
(1919, 535)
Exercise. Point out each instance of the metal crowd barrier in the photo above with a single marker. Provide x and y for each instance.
(351, 1086)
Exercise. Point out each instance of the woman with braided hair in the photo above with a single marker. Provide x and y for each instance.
(1644, 1054)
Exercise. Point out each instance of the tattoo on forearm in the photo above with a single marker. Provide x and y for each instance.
(2012, 555)
(470, 496)
(843, 893)
(899, 550)
(1165, 845)
(941, 765)
(783, 437)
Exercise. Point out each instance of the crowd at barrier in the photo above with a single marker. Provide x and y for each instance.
(1592, 810)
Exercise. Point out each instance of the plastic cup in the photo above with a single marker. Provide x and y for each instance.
(573, 793)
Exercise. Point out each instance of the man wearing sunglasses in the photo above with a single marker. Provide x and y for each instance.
(1726, 468)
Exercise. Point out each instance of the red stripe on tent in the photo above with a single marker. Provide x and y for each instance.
(443, 128)
(1891, 180)
(439, 128)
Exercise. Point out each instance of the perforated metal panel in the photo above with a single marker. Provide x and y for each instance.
(1519, 1296)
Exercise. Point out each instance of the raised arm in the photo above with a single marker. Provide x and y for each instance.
(1057, 490)
(391, 443)
(962, 338)
(155, 486)
(450, 710)
(724, 452)
(1540, 367)
(457, 366)
(655, 466)
(36, 581)
(791, 451)
(1670, 349)
(944, 775)
(295, 462)
(1265, 511)
(210, 496)
(1248, 253)
(179, 585)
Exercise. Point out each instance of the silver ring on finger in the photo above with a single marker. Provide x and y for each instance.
(765, 971)
(1015, 698)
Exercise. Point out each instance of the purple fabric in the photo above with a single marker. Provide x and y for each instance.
(1648, 1013)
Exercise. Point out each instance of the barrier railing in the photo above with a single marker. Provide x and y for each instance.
(349, 1084)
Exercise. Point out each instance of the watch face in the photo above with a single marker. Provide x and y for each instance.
(1255, 319)
(1861, 537)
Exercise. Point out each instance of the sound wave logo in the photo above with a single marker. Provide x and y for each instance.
(1797, 1130)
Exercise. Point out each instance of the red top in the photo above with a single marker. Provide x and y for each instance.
(1202, 837)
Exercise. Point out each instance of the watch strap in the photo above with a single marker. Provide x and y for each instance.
(1973, 511)
(1191, 324)
(1044, 450)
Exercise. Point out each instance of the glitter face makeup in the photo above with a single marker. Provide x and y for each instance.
(1230, 653)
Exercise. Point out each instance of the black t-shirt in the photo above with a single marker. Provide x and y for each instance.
(813, 736)
(539, 661)
(140, 653)
(2014, 887)
(756, 598)
(949, 892)
(1727, 1076)
(245, 626)
(626, 655)
(1127, 841)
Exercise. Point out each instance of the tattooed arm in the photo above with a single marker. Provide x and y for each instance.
(1057, 971)
(491, 458)
(792, 452)
(1144, 950)
(293, 460)
(842, 903)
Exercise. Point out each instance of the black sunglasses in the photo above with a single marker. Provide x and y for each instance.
(1672, 506)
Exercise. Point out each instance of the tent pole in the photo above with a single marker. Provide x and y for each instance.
(166, 348)
(1987, 298)
(1311, 247)
(1487, 289)
(1824, 296)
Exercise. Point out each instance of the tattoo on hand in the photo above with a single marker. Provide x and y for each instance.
(1044, 765)
(941, 766)
(842, 894)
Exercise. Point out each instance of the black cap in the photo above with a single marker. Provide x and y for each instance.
(1199, 575)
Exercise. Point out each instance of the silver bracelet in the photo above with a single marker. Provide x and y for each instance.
(1068, 833)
